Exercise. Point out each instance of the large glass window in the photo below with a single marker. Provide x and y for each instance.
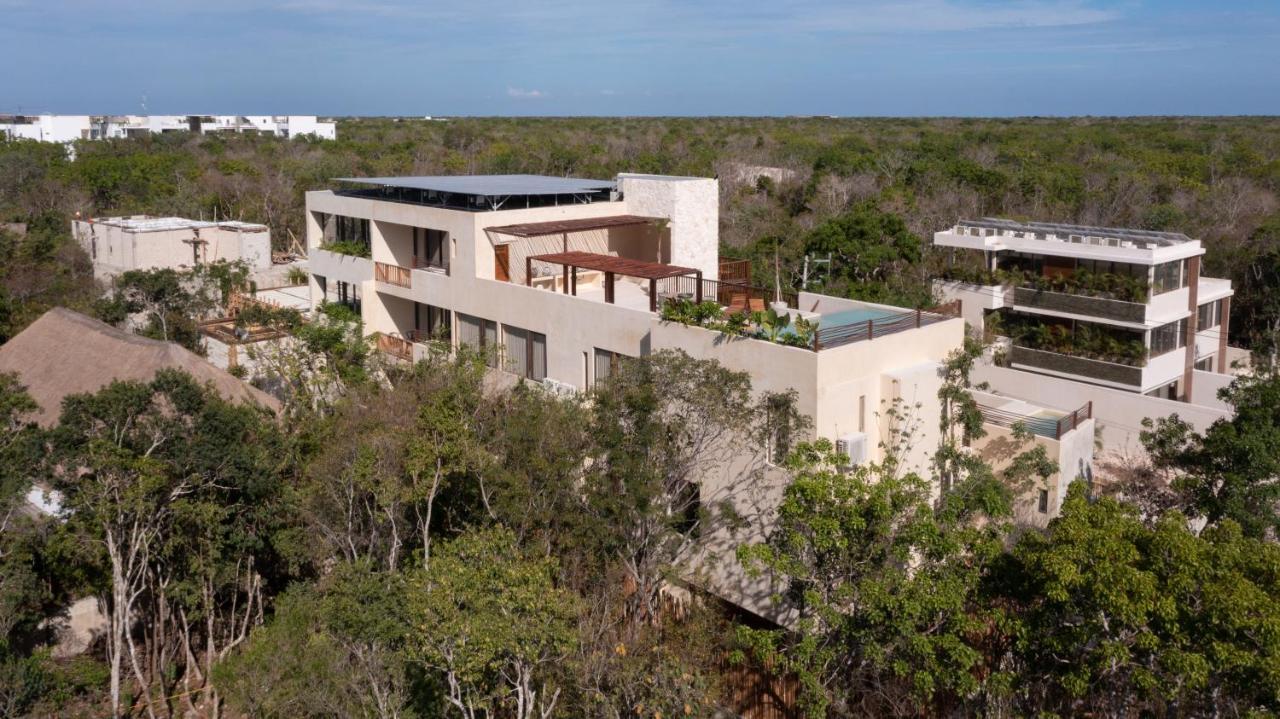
(346, 293)
(1168, 338)
(352, 233)
(431, 248)
(431, 322)
(606, 363)
(1169, 276)
(1209, 315)
(480, 334)
(526, 353)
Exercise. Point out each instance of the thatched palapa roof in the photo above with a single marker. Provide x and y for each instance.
(65, 353)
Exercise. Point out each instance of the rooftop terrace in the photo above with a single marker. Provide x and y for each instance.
(1078, 234)
(144, 223)
(483, 192)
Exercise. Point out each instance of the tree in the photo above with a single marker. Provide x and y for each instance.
(1232, 470)
(884, 590)
(871, 250)
(169, 490)
(172, 301)
(321, 360)
(1117, 617)
(491, 622)
(662, 425)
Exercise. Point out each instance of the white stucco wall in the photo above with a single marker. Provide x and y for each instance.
(1119, 414)
(692, 204)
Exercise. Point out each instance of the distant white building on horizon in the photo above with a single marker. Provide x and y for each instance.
(69, 128)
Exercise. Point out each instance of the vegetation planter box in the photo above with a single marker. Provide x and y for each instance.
(1079, 366)
(1102, 307)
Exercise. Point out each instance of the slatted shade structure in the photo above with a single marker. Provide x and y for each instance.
(557, 227)
(613, 266)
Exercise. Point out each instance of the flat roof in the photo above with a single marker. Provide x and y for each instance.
(162, 224)
(490, 185)
(558, 227)
(1164, 239)
(617, 265)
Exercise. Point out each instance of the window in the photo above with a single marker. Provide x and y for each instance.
(779, 419)
(1209, 315)
(526, 353)
(345, 230)
(431, 248)
(1044, 501)
(1205, 365)
(606, 363)
(1168, 338)
(480, 334)
(1169, 276)
(862, 413)
(348, 293)
(431, 322)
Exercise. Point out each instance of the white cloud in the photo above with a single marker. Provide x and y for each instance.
(523, 94)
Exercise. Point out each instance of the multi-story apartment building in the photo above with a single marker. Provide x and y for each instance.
(561, 277)
(1119, 308)
(69, 128)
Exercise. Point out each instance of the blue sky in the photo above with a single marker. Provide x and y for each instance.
(642, 57)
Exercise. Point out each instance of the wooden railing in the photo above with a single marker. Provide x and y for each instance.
(729, 294)
(735, 271)
(392, 274)
(828, 337)
(397, 347)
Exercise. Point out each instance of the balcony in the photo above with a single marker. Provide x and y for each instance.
(1128, 375)
(1041, 422)
(393, 275)
(1076, 304)
(397, 347)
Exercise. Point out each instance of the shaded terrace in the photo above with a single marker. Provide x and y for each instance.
(612, 267)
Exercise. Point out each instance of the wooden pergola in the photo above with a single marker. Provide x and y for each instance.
(612, 267)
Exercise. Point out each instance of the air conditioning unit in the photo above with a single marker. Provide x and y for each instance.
(852, 449)
(556, 387)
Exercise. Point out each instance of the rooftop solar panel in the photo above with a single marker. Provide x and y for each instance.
(490, 185)
(1164, 239)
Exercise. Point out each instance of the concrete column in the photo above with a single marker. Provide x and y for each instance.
(1223, 326)
(1193, 304)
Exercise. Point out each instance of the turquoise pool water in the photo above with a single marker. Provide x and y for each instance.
(852, 317)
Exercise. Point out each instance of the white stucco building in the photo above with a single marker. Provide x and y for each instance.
(141, 242)
(1119, 317)
(560, 277)
(69, 128)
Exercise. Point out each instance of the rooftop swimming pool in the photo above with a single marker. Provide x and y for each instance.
(853, 316)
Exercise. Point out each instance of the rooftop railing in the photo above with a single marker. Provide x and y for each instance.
(828, 337)
(1051, 427)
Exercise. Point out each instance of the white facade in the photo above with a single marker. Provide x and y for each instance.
(139, 242)
(1180, 302)
(45, 128)
(69, 128)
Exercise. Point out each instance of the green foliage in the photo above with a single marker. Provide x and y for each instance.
(885, 589)
(1229, 472)
(872, 252)
(493, 623)
(1120, 616)
(41, 269)
(347, 247)
(1092, 341)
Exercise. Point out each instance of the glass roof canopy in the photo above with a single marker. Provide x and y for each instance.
(484, 192)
